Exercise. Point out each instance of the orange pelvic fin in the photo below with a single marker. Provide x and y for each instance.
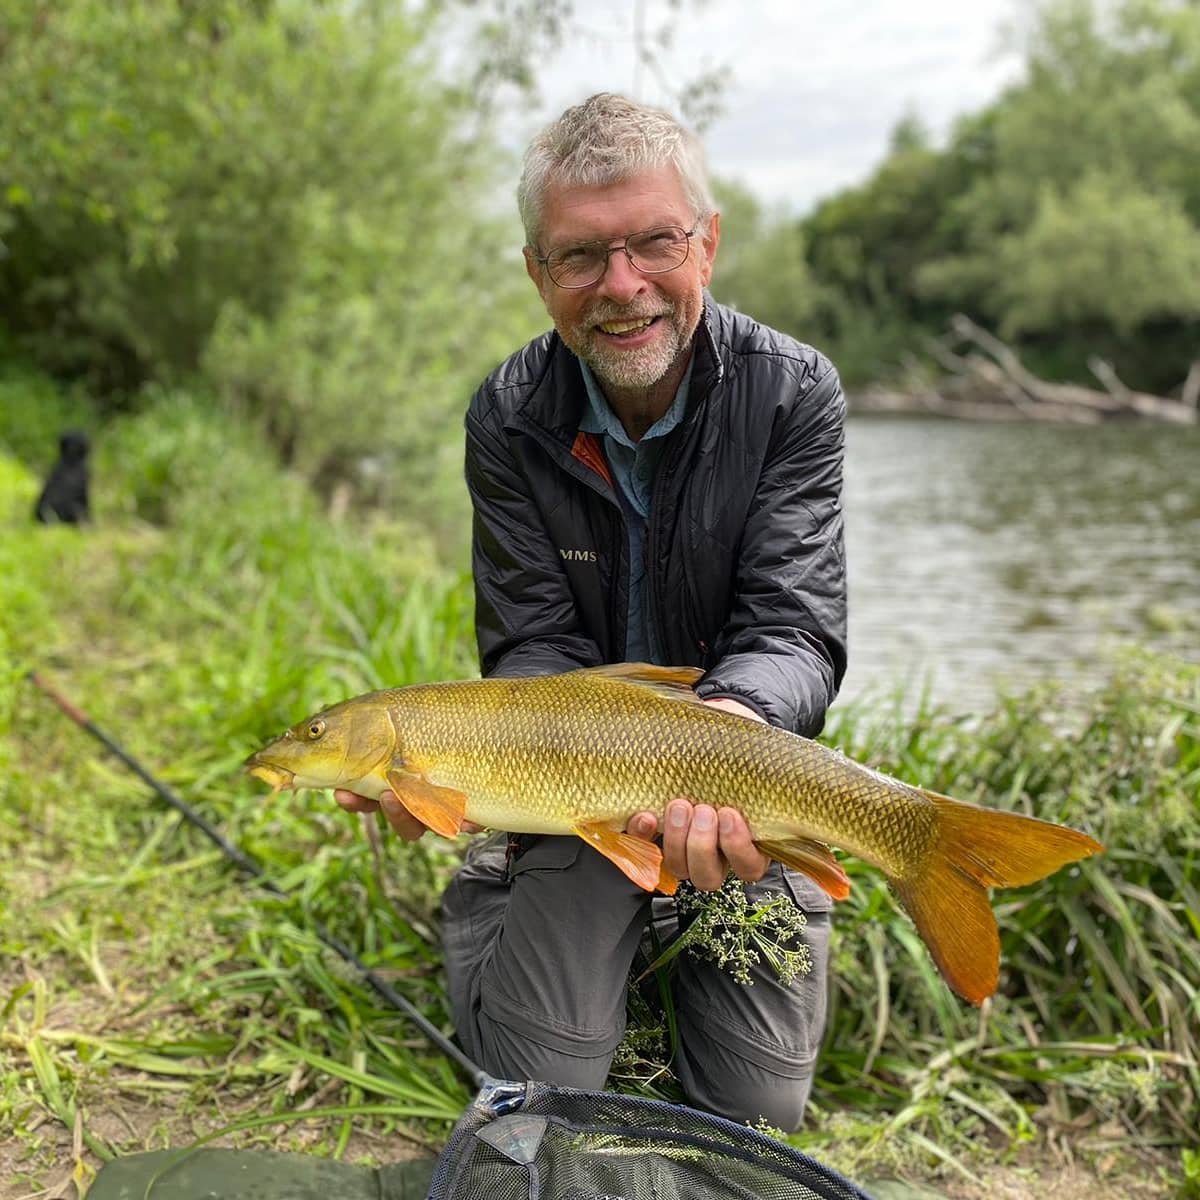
(946, 897)
(815, 859)
(441, 808)
(635, 857)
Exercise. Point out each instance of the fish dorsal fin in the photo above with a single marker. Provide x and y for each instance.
(675, 683)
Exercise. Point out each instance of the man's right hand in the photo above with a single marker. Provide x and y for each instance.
(398, 817)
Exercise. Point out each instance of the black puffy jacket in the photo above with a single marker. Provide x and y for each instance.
(744, 542)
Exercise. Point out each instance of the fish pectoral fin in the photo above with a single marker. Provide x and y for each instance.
(442, 809)
(814, 859)
(640, 860)
(676, 683)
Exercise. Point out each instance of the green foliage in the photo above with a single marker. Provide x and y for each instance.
(191, 639)
(279, 196)
(214, 602)
(1107, 253)
(33, 412)
(761, 264)
(1100, 967)
(729, 930)
(1067, 213)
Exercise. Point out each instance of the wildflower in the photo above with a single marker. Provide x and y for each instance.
(736, 933)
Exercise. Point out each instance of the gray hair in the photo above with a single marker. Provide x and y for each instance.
(605, 139)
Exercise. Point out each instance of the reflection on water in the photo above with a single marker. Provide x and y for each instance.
(986, 555)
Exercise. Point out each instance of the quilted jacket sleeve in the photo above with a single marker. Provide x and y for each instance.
(783, 649)
(526, 621)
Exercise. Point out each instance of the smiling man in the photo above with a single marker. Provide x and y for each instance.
(658, 479)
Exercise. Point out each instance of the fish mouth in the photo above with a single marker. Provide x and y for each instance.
(277, 777)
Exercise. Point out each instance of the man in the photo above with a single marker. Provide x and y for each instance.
(656, 480)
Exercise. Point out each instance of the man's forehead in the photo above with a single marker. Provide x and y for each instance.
(584, 212)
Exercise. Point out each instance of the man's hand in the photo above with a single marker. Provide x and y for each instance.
(398, 817)
(701, 843)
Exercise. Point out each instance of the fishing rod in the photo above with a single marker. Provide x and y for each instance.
(244, 863)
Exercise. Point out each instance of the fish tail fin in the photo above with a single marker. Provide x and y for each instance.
(976, 849)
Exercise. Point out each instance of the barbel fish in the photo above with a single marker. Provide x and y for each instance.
(583, 751)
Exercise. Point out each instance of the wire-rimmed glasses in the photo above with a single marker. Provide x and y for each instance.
(650, 251)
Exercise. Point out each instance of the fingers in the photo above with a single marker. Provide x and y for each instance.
(690, 848)
(643, 825)
(706, 864)
(353, 802)
(677, 820)
(728, 704)
(745, 859)
(703, 844)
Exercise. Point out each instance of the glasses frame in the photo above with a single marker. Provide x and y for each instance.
(543, 260)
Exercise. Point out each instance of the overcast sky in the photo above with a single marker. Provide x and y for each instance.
(816, 85)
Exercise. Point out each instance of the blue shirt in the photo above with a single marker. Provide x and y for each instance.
(633, 465)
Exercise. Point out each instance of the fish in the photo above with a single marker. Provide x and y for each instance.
(582, 751)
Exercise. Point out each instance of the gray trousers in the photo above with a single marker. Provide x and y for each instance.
(538, 965)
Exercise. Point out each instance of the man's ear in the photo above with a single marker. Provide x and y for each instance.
(534, 270)
(708, 242)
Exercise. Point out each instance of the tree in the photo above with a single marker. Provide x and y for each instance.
(277, 196)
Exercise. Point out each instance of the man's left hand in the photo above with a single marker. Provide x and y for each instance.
(701, 843)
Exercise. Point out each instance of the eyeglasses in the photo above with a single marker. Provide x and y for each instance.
(652, 252)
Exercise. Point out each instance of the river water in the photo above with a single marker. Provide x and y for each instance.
(987, 556)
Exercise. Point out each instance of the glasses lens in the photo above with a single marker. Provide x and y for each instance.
(576, 266)
(659, 249)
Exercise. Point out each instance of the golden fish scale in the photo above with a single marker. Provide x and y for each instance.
(538, 755)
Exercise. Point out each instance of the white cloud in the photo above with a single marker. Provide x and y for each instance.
(817, 85)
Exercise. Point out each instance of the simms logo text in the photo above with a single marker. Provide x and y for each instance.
(578, 555)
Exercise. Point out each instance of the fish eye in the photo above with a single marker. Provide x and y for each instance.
(314, 730)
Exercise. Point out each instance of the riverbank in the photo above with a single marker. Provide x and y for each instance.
(150, 997)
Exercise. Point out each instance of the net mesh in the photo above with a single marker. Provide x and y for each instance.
(539, 1142)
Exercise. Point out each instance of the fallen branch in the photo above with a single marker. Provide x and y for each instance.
(988, 381)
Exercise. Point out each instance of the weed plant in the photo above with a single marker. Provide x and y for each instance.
(151, 996)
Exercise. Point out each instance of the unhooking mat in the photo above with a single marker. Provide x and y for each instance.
(514, 1142)
(211, 1174)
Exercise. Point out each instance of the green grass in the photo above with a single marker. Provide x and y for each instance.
(151, 996)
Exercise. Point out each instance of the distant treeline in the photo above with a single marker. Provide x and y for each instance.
(284, 208)
(1065, 217)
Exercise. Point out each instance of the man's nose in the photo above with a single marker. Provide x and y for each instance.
(622, 281)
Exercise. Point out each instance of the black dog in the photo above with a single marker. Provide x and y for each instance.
(65, 496)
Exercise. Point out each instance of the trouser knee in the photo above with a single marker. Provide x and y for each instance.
(517, 1053)
(778, 1101)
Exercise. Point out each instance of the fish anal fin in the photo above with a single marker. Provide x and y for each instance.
(674, 682)
(442, 809)
(639, 860)
(813, 858)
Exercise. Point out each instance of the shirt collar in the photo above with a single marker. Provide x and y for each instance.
(600, 418)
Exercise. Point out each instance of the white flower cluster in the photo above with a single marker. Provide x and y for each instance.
(736, 933)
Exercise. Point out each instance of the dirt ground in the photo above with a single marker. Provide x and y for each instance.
(1037, 1174)
(1040, 1173)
